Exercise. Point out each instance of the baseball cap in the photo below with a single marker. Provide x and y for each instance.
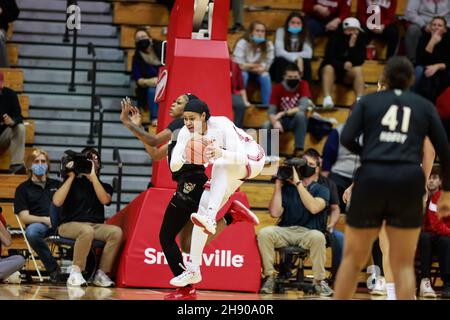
(351, 22)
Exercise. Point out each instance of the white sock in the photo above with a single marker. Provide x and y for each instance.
(198, 243)
(390, 290)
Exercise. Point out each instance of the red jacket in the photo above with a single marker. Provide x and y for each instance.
(443, 104)
(387, 10)
(338, 8)
(432, 223)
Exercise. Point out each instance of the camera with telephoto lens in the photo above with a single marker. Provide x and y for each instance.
(285, 171)
(81, 163)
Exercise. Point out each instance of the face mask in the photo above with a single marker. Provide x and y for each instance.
(258, 40)
(295, 30)
(307, 171)
(143, 44)
(292, 83)
(39, 169)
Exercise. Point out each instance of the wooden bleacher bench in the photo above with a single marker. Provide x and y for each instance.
(24, 105)
(372, 70)
(259, 194)
(13, 78)
(9, 183)
(342, 95)
(8, 214)
(140, 14)
(9, 34)
(5, 158)
(30, 128)
(13, 54)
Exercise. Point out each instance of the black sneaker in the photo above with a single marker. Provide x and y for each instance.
(17, 169)
(55, 276)
(446, 292)
(236, 28)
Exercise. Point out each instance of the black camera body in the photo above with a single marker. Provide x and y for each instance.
(81, 163)
(285, 173)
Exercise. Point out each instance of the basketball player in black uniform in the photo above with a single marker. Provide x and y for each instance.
(190, 181)
(389, 185)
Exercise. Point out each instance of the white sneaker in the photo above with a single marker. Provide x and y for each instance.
(426, 290)
(75, 278)
(14, 278)
(379, 289)
(205, 222)
(102, 280)
(328, 102)
(190, 275)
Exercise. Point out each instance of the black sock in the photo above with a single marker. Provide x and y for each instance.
(228, 218)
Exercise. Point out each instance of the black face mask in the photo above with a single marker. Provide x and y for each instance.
(292, 83)
(307, 171)
(143, 44)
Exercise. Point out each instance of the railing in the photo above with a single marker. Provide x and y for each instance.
(74, 46)
(99, 125)
(117, 182)
(92, 76)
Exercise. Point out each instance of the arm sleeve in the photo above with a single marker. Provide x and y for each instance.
(135, 72)
(109, 190)
(438, 137)
(16, 112)
(421, 53)
(352, 129)
(178, 158)
(239, 52)
(275, 98)
(330, 150)
(322, 192)
(345, 7)
(412, 13)
(331, 51)
(20, 201)
(358, 52)
(437, 225)
(305, 91)
(361, 11)
(308, 6)
(391, 14)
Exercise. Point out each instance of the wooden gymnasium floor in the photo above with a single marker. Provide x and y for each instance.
(50, 292)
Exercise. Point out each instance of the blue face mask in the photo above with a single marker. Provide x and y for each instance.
(295, 30)
(258, 40)
(39, 169)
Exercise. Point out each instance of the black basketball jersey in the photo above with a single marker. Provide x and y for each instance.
(394, 124)
(186, 169)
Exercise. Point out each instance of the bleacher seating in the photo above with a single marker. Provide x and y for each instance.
(13, 78)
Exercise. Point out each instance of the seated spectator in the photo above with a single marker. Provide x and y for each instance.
(339, 164)
(12, 129)
(443, 107)
(387, 30)
(344, 56)
(325, 16)
(288, 104)
(12, 264)
(255, 54)
(237, 6)
(433, 61)
(239, 100)
(145, 68)
(292, 45)
(82, 199)
(8, 13)
(419, 14)
(301, 206)
(334, 213)
(434, 240)
(32, 203)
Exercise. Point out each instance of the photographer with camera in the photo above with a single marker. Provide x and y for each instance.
(300, 202)
(82, 198)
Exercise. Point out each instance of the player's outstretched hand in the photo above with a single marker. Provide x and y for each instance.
(126, 109)
(444, 205)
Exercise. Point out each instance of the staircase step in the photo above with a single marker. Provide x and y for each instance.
(63, 77)
(61, 16)
(58, 39)
(110, 168)
(42, 27)
(61, 5)
(103, 91)
(64, 51)
(81, 115)
(70, 102)
(67, 64)
(65, 128)
(80, 141)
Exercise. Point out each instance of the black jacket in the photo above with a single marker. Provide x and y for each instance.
(9, 104)
(9, 14)
(440, 54)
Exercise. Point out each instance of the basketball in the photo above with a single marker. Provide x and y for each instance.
(195, 151)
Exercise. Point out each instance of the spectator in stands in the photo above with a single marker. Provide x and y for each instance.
(145, 68)
(255, 54)
(433, 60)
(334, 213)
(344, 56)
(292, 45)
(288, 103)
(339, 164)
(325, 16)
(12, 129)
(82, 199)
(443, 107)
(8, 13)
(12, 264)
(239, 98)
(237, 6)
(434, 240)
(419, 14)
(387, 30)
(32, 202)
(301, 206)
